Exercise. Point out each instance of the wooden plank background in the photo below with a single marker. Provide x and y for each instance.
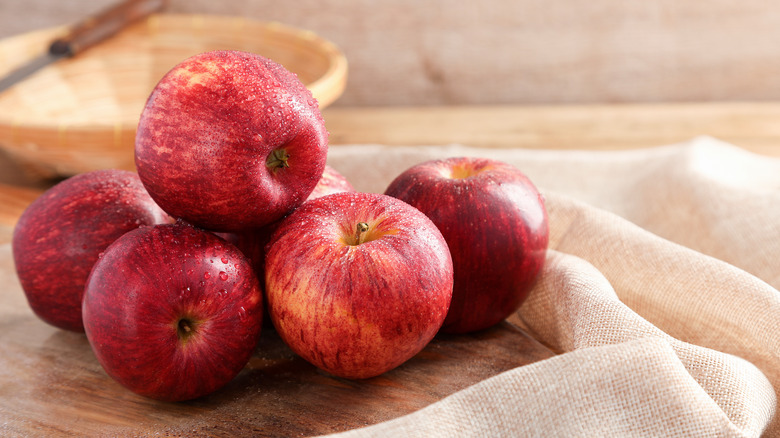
(432, 52)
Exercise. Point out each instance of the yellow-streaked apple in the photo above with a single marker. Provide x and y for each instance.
(357, 283)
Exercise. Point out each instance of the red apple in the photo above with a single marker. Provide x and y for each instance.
(253, 242)
(230, 141)
(172, 312)
(357, 283)
(331, 182)
(59, 236)
(495, 224)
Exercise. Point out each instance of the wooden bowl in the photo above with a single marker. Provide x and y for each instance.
(80, 114)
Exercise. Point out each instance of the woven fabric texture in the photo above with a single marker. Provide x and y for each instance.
(659, 294)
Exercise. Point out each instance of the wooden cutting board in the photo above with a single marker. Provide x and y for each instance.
(52, 385)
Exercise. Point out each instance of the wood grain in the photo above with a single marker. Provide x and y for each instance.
(13, 201)
(410, 52)
(751, 125)
(53, 385)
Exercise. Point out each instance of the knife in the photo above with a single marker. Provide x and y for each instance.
(85, 34)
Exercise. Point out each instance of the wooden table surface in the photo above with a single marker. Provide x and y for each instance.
(754, 126)
(51, 384)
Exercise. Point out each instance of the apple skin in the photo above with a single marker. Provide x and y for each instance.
(172, 312)
(357, 310)
(495, 224)
(230, 141)
(60, 235)
(253, 242)
(330, 182)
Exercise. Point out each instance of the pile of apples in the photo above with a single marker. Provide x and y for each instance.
(233, 218)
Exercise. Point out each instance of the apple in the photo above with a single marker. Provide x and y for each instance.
(357, 283)
(330, 182)
(60, 235)
(172, 312)
(495, 224)
(230, 141)
(253, 242)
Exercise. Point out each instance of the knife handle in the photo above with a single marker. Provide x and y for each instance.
(103, 25)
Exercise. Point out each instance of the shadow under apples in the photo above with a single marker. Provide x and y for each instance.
(277, 393)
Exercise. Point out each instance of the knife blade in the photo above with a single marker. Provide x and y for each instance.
(84, 35)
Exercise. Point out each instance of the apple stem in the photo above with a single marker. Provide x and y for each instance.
(360, 232)
(278, 159)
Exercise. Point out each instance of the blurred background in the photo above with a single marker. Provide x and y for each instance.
(439, 52)
(596, 75)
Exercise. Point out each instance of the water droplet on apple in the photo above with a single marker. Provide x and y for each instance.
(190, 271)
(206, 275)
(242, 313)
(223, 276)
(224, 260)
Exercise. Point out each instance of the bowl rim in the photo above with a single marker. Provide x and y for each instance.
(326, 88)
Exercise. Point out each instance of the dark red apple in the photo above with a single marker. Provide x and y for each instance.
(230, 141)
(495, 224)
(59, 236)
(172, 312)
(357, 283)
(252, 244)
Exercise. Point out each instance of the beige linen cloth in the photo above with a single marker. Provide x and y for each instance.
(659, 294)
